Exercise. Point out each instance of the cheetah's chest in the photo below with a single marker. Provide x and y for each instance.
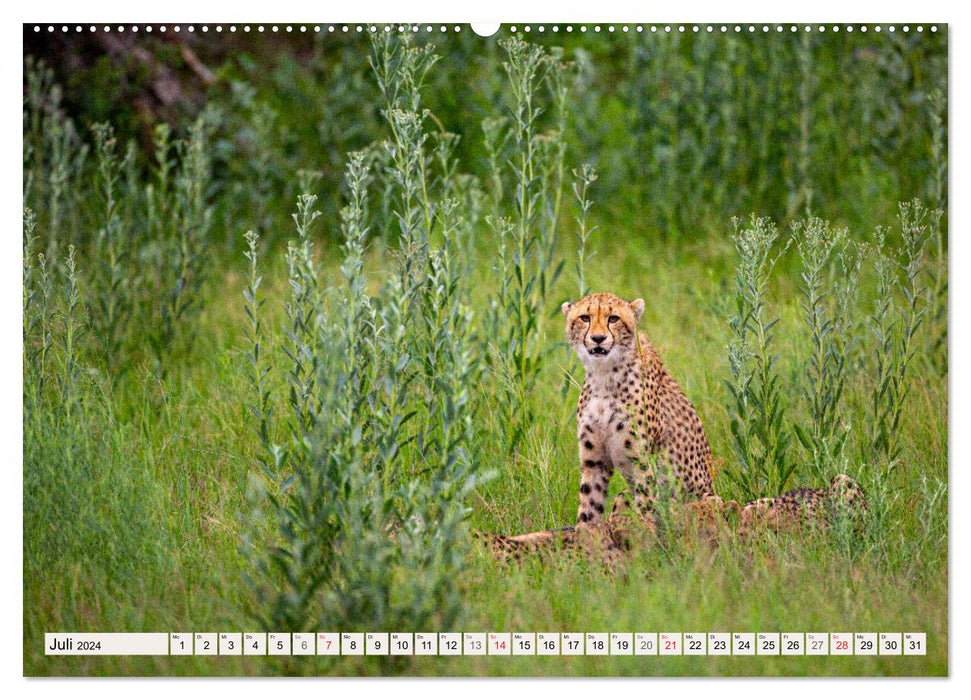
(604, 422)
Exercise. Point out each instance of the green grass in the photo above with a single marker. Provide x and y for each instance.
(139, 508)
(188, 463)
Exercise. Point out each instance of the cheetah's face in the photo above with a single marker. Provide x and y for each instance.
(602, 326)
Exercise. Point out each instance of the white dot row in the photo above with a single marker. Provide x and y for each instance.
(695, 28)
(303, 28)
(667, 28)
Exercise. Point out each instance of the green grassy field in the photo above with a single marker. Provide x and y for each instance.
(152, 501)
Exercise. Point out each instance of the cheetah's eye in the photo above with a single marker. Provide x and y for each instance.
(585, 318)
(613, 319)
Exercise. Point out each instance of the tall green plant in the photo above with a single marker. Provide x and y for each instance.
(899, 310)
(112, 281)
(583, 180)
(54, 156)
(938, 270)
(183, 214)
(368, 528)
(258, 365)
(757, 407)
(527, 240)
(831, 333)
(303, 310)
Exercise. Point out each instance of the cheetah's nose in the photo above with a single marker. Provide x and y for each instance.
(598, 338)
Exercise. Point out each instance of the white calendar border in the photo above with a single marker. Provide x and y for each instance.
(11, 645)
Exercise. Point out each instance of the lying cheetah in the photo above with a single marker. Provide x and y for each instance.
(799, 507)
(705, 521)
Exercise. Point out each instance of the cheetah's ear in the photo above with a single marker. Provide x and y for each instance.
(565, 307)
(637, 306)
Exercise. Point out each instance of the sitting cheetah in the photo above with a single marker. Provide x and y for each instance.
(631, 413)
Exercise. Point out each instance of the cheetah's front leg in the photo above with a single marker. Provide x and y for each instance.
(594, 477)
(639, 472)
